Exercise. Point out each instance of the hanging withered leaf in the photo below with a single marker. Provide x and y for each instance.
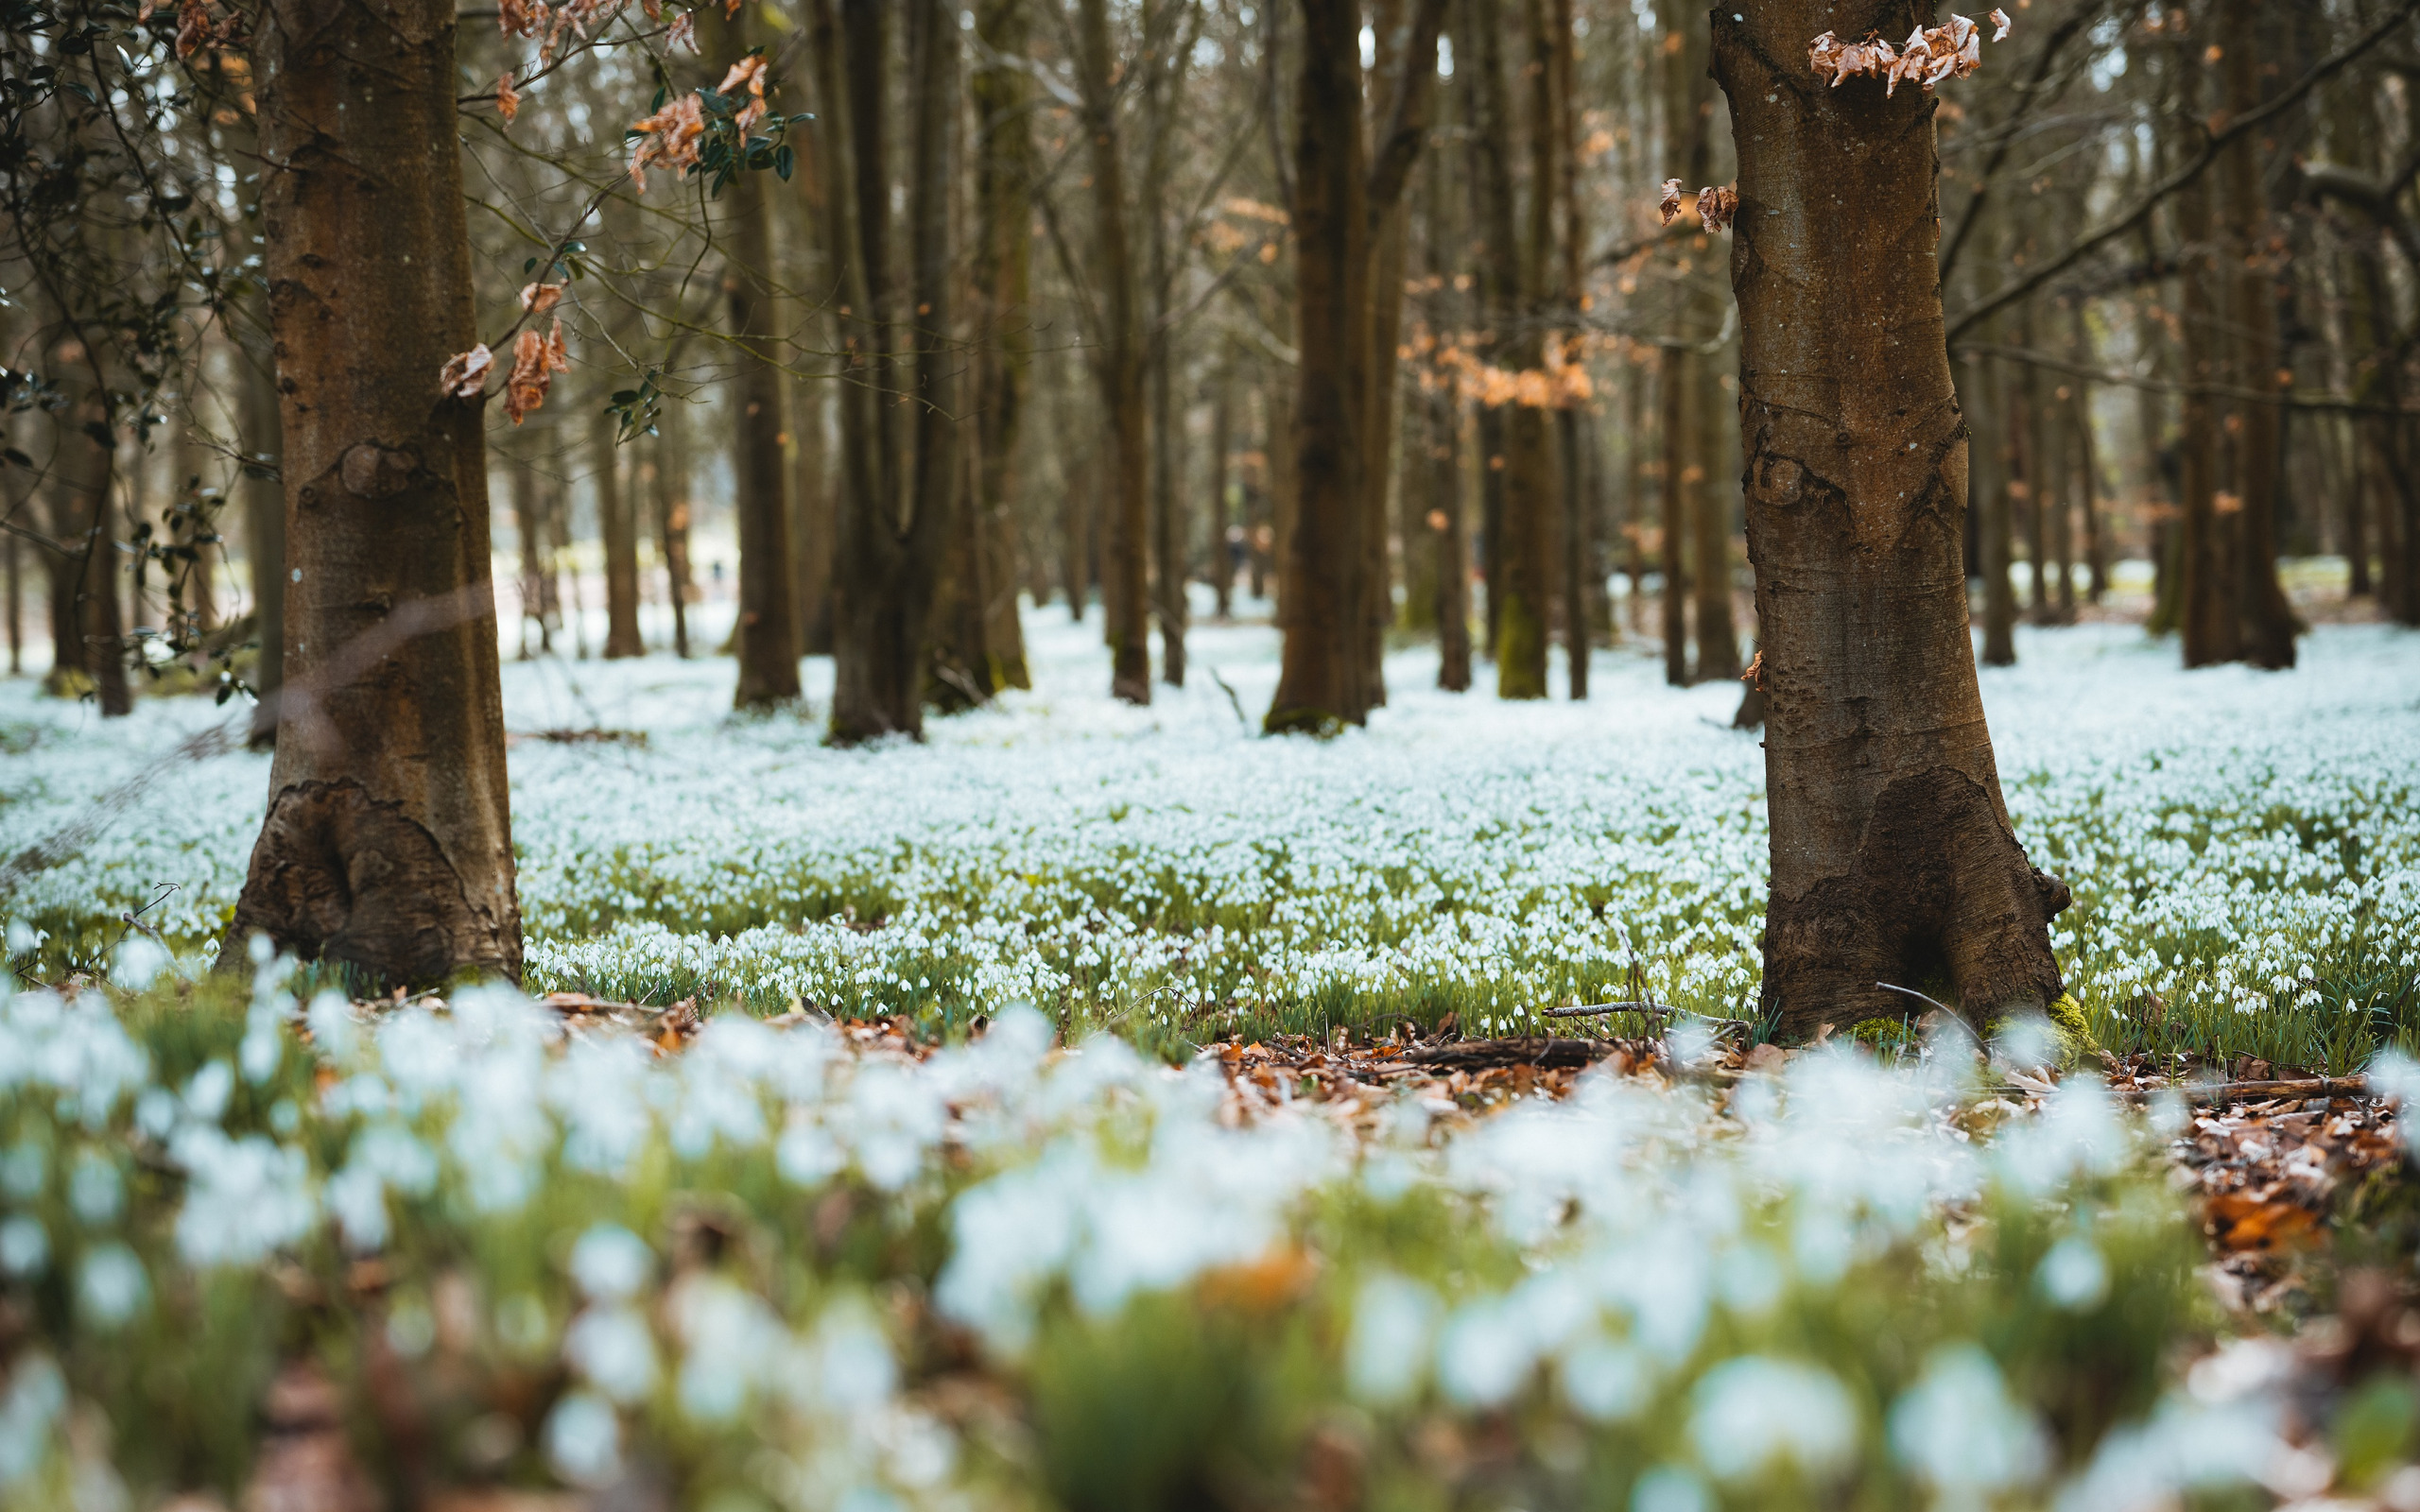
(748, 73)
(508, 100)
(1999, 21)
(683, 32)
(1716, 206)
(465, 374)
(668, 139)
(535, 361)
(520, 18)
(539, 298)
(654, 8)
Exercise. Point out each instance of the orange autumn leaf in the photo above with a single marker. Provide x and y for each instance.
(465, 374)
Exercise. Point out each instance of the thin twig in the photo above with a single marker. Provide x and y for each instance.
(1952, 1014)
(1586, 1009)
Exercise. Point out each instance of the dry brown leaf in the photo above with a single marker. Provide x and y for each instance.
(1670, 205)
(465, 374)
(508, 100)
(1715, 207)
(2240, 1221)
(1930, 53)
(748, 73)
(683, 32)
(667, 138)
(520, 18)
(539, 298)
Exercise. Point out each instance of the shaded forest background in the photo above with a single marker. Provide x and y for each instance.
(1020, 300)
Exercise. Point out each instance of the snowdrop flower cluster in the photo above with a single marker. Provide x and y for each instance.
(2243, 846)
(1756, 1304)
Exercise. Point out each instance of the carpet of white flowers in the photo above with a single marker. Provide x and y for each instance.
(775, 1270)
(2244, 847)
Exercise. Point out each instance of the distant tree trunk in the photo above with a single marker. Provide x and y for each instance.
(617, 524)
(263, 444)
(1574, 434)
(387, 845)
(1004, 174)
(1453, 540)
(2269, 621)
(1893, 856)
(85, 636)
(767, 638)
(1118, 368)
(530, 528)
(14, 561)
(2001, 482)
(811, 518)
(1321, 684)
(2096, 549)
(1675, 390)
(2208, 578)
(901, 471)
(1222, 554)
(1718, 633)
(672, 532)
(1519, 594)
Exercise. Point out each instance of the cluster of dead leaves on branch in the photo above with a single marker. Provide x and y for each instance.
(1930, 55)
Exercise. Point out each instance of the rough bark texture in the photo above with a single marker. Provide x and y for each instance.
(1892, 857)
(387, 843)
(1004, 174)
(1718, 632)
(1674, 390)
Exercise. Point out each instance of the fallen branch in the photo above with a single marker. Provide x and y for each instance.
(1526, 1050)
(1589, 1009)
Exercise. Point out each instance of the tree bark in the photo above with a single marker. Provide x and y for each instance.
(1893, 856)
(1453, 542)
(1004, 174)
(265, 537)
(2269, 621)
(1118, 368)
(766, 641)
(2208, 578)
(900, 466)
(1675, 389)
(617, 524)
(387, 845)
(1223, 536)
(1718, 632)
(672, 530)
(1322, 686)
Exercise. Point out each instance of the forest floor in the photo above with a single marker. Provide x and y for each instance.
(2244, 847)
(780, 1198)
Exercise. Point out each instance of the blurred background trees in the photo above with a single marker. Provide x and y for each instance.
(1024, 313)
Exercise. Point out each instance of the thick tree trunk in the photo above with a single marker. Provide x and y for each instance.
(1998, 488)
(2207, 577)
(811, 519)
(1321, 683)
(1892, 856)
(389, 845)
(617, 524)
(265, 537)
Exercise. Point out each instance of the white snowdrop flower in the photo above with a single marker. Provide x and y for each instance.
(614, 1350)
(112, 1285)
(1484, 1354)
(22, 937)
(356, 1198)
(1013, 1232)
(96, 1191)
(1386, 1355)
(610, 1264)
(1962, 1433)
(139, 963)
(1749, 1280)
(583, 1439)
(2182, 1446)
(1749, 1411)
(891, 1120)
(850, 1370)
(1605, 1382)
(24, 1244)
(806, 1154)
(243, 1197)
(2073, 1275)
(1671, 1488)
(29, 1416)
(207, 1091)
(729, 1338)
(334, 1032)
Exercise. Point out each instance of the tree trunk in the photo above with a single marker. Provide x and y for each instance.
(900, 469)
(767, 638)
(1998, 487)
(672, 531)
(1118, 368)
(811, 518)
(1718, 632)
(2208, 578)
(2269, 621)
(1675, 390)
(387, 845)
(1453, 542)
(1225, 537)
(1892, 856)
(1004, 174)
(1322, 686)
(530, 529)
(14, 566)
(617, 524)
